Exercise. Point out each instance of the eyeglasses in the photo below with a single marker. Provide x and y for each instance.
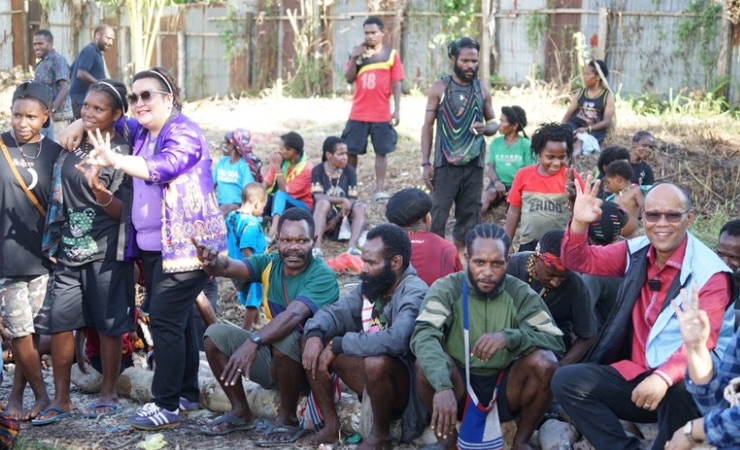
(146, 96)
(670, 217)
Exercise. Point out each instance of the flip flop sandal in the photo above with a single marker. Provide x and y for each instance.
(292, 434)
(114, 408)
(60, 414)
(235, 424)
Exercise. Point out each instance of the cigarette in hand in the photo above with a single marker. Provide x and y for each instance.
(475, 132)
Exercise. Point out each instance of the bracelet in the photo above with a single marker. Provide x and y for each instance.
(109, 201)
(425, 163)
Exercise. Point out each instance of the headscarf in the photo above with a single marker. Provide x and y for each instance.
(241, 139)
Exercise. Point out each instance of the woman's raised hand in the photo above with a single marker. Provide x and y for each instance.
(101, 155)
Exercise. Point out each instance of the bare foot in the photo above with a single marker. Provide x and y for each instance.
(15, 410)
(325, 436)
(37, 407)
(374, 442)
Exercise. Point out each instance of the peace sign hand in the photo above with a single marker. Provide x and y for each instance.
(587, 206)
(693, 321)
(101, 155)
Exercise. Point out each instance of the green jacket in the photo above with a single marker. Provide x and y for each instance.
(512, 308)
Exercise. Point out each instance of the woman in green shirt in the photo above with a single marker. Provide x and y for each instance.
(506, 155)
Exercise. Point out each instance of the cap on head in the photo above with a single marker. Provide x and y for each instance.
(36, 91)
(606, 230)
(408, 206)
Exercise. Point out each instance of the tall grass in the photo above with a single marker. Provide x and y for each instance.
(706, 227)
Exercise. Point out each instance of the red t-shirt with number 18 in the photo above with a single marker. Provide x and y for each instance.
(374, 85)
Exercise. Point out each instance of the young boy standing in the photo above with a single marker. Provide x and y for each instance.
(246, 238)
(625, 193)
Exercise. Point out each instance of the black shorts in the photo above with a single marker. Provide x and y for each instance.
(383, 135)
(483, 387)
(99, 294)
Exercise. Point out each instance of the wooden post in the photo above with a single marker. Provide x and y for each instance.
(248, 47)
(397, 35)
(724, 58)
(603, 33)
(485, 42)
(182, 73)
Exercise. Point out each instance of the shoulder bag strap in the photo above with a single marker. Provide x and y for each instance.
(32, 198)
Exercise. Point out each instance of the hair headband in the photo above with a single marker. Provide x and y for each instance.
(550, 259)
(167, 83)
(118, 94)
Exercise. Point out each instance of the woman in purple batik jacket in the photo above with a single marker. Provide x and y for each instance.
(171, 168)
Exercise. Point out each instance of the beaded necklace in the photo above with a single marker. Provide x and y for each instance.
(531, 276)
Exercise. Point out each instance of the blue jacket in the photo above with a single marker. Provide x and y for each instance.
(699, 264)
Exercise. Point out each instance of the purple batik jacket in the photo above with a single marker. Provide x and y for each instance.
(181, 165)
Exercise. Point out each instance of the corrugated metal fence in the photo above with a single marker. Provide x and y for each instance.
(217, 49)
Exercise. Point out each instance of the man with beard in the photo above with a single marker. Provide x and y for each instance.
(296, 286)
(461, 106)
(364, 338)
(513, 337)
(636, 366)
(377, 72)
(89, 67)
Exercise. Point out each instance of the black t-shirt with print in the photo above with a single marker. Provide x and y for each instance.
(343, 186)
(88, 232)
(642, 174)
(569, 304)
(21, 223)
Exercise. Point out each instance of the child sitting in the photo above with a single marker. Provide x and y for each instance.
(624, 193)
(246, 238)
(232, 172)
(507, 154)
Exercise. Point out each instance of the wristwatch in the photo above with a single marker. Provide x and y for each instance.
(256, 338)
(687, 429)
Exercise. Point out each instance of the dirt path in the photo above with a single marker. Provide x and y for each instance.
(315, 119)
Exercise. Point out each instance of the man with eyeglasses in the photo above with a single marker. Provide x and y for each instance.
(635, 369)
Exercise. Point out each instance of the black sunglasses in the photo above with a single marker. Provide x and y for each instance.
(670, 217)
(146, 96)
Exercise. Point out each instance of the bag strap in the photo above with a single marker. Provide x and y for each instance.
(32, 198)
(466, 340)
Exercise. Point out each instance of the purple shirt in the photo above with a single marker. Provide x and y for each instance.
(146, 213)
(180, 170)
